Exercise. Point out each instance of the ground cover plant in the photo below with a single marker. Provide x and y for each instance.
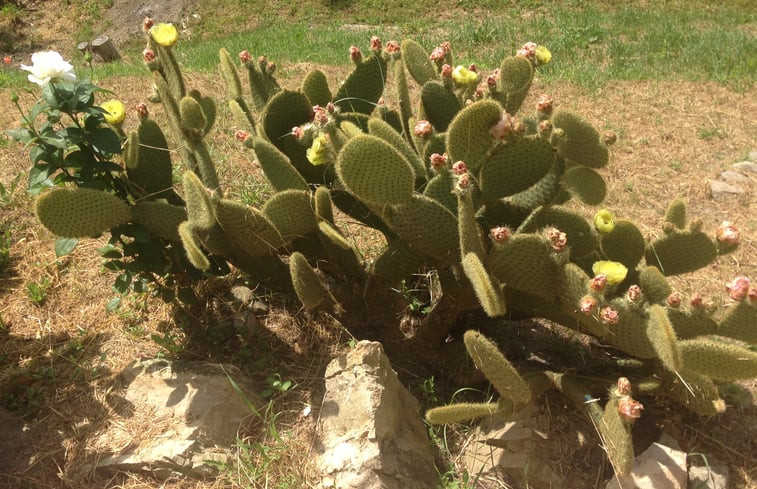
(253, 137)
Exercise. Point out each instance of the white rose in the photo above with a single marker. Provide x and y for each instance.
(49, 65)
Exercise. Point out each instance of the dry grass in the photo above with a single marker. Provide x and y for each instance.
(60, 357)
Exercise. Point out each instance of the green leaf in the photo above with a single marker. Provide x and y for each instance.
(21, 134)
(104, 139)
(64, 246)
(109, 251)
(113, 304)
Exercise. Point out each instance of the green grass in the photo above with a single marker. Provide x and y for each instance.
(592, 43)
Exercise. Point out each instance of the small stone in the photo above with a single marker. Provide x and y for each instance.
(718, 189)
(711, 477)
(753, 156)
(659, 467)
(734, 177)
(242, 294)
(745, 167)
(259, 307)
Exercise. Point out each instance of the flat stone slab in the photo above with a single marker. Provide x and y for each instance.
(170, 418)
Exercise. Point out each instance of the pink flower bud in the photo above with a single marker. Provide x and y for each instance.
(142, 111)
(438, 161)
(557, 239)
(446, 47)
(634, 293)
(727, 234)
(241, 135)
(472, 67)
(148, 55)
(270, 68)
(245, 57)
(608, 315)
(500, 234)
(437, 54)
(478, 94)
(7, 59)
(545, 104)
(503, 127)
(545, 128)
(491, 81)
(392, 47)
(587, 305)
(447, 71)
(463, 182)
(331, 108)
(609, 138)
(262, 61)
(528, 50)
(320, 115)
(697, 302)
(422, 128)
(376, 43)
(624, 386)
(459, 167)
(674, 300)
(629, 409)
(519, 127)
(598, 283)
(298, 132)
(147, 24)
(738, 288)
(355, 55)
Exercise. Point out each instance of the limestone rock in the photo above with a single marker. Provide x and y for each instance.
(173, 417)
(745, 167)
(719, 189)
(661, 466)
(370, 433)
(734, 178)
(711, 477)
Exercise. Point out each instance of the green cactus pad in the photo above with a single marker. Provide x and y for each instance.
(385, 131)
(437, 143)
(277, 168)
(160, 218)
(681, 252)
(200, 211)
(208, 107)
(740, 322)
(572, 287)
(514, 167)
(397, 262)
(316, 88)
(192, 248)
(350, 129)
(654, 285)
(586, 184)
(487, 292)
(459, 412)
(229, 73)
(429, 227)
(284, 111)
(363, 87)
(697, 392)
(468, 138)
(691, 323)
(80, 212)
(247, 228)
(663, 338)
(720, 361)
(544, 191)
(617, 440)
(501, 213)
(630, 334)
(322, 204)
(524, 263)
(581, 143)
(440, 104)
(262, 85)
(340, 251)
(515, 75)
(193, 120)
(241, 117)
(417, 62)
(624, 244)
(676, 213)
(470, 233)
(440, 188)
(148, 161)
(495, 367)
(403, 92)
(347, 203)
(582, 239)
(375, 172)
(291, 213)
(308, 287)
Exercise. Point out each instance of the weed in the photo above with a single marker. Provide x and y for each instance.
(169, 342)
(7, 193)
(37, 291)
(5, 249)
(675, 165)
(711, 132)
(275, 385)
(415, 305)
(255, 192)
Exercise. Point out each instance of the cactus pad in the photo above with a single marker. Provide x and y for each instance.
(247, 228)
(586, 184)
(80, 212)
(487, 292)
(192, 248)
(363, 87)
(681, 252)
(515, 75)
(524, 263)
(740, 322)
(277, 168)
(429, 227)
(514, 167)
(308, 287)
(663, 338)
(720, 361)
(160, 218)
(291, 213)
(440, 104)
(493, 364)
(459, 412)
(316, 88)
(468, 138)
(417, 62)
(382, 129)
(582, 143)
(624, 244)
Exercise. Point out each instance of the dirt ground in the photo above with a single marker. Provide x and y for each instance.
(58, 358)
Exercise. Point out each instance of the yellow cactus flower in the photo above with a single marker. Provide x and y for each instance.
(319, 152)
(164, 34)
(604, 221)
(543, 56)
(114, 112)
(614, 271)
(463, 77)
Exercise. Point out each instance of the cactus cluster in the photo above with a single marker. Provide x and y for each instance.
(461, 184)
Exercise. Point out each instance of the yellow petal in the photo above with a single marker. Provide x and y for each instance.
(164, 34)
(114, 111)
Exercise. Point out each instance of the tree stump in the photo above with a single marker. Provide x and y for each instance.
(102, 48)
